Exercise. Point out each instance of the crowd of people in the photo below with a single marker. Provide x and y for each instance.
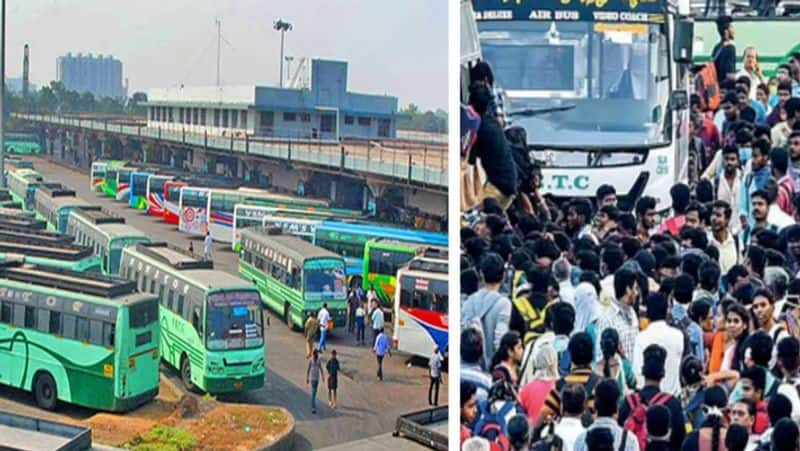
(598, 324)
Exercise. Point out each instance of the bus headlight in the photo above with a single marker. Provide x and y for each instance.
(258, 364)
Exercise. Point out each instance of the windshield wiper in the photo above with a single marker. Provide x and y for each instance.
(529, 112)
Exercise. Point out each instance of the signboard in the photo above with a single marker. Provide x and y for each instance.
(642, 11)
(235, 299)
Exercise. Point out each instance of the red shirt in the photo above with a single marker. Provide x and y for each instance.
(673, 225)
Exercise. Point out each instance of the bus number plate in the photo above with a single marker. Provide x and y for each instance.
(238, 385)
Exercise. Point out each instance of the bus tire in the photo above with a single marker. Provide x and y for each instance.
(186, 374)
(45, 392)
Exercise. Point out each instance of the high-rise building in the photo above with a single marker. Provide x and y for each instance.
(100, 75)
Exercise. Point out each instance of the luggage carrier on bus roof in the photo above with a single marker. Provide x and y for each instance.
(64, 279)
(22, 222)
(423, 264)
(17, 233)
(434, 252)
(98, 216)
(32, 247)
(180, 259)
(56, 190)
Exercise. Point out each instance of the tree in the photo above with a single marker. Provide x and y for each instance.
(134, 106)
(412, 118)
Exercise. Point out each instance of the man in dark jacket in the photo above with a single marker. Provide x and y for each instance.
(493, 150)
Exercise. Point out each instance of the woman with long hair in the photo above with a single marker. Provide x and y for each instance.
(506, 360)
(727, 351)
(613, 365)
(711, 434)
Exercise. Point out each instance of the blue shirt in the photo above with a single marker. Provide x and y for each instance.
(382, 345)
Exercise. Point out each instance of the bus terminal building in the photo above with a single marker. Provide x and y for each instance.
(327, 110)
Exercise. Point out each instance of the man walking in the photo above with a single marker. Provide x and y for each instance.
(314, 372)
(381, 348)
(324, 318)
(310, 332)
(207, 242)
(361, 314)
(435, 365)
(352, 305)
(376, 320)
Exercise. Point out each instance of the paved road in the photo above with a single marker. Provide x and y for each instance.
(365, 407)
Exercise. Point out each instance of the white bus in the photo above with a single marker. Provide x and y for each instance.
(604, 100)
(420, 307)
(222, 202)
(292, 221)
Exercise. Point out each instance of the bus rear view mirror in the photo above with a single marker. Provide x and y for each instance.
(678, 100)
(683, 41)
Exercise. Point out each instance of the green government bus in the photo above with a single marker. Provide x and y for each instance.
(78, 338)
(104, 233)
(211, 321)
(16, 220)
(17, 233)
(7, 201)
(22, 184)
(384, 257)
(294, 276)
(65, 256)
(54, 203)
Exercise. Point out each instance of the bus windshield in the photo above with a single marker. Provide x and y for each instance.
(612, 80)
(234, 320)
(173, 192)
(423, 293)
(324, 279)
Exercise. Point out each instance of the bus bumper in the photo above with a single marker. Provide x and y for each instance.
(228, 384)
(126, 404)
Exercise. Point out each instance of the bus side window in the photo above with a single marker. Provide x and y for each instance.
(108, 334)
(30, 317)
(161, 295)
(96, 332)
(153, 286)
(55, 323)
(5, 312)
(180, 306)
(43, 323)
(196, 323)
(170, 300)
(19, 315)
(68, 331)
(82, 329)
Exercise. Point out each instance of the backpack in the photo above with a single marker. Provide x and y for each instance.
(492, 424)
(706, 85)
(550, 443)
(588, 414)
(637, 418)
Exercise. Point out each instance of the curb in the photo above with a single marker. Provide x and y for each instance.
(284, 442)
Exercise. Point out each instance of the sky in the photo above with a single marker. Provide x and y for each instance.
(397, 48)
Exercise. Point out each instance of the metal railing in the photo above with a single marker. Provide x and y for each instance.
(424, 165)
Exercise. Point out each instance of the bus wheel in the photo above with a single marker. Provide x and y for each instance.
(186, 374)
(45, 392)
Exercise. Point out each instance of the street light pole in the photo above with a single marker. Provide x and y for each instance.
(283, 27)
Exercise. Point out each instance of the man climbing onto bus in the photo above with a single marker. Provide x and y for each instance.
(324, 318)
